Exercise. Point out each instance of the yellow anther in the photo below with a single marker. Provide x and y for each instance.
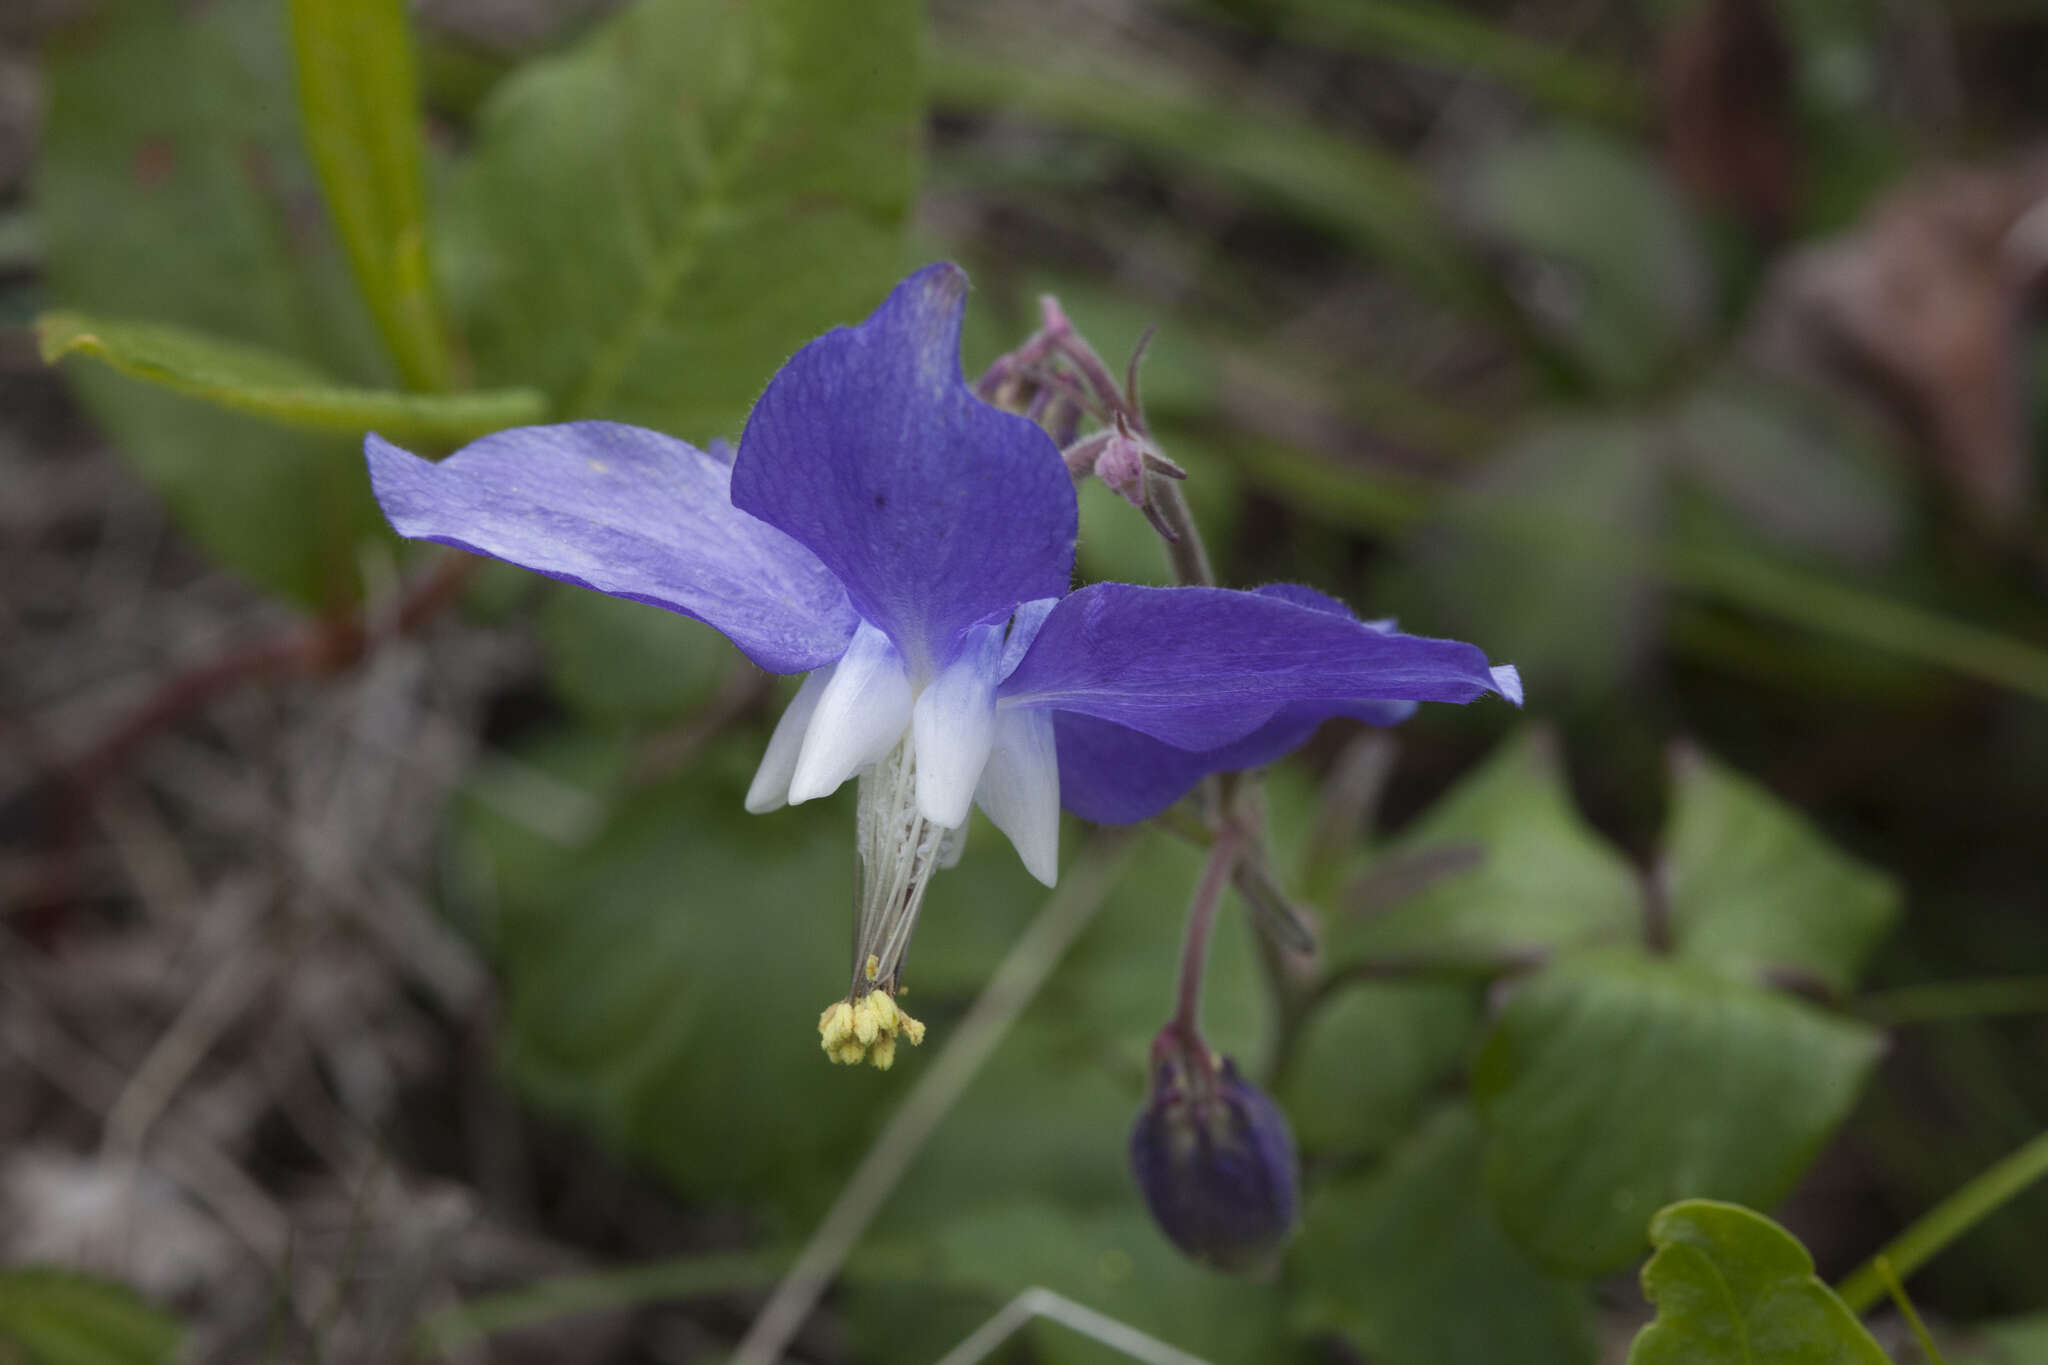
(874, 967)
(886, 1013)
(852, 1031)
(867, 1023)
(835, 1025)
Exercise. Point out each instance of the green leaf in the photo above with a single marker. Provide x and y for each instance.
(1733, 1288)
(652, 222)
(277, 388)
(1754, 888)
(359, 100)
(1410, 1261)
(189, 201)
(1369, 1058)
(57, 1317)
(1628, 287)
(1611, 1086)
(1542, 881)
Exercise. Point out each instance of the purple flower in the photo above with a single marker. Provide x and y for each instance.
(1215, 1160)
(910, 548)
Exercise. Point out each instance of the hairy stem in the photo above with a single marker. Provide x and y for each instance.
(1184, 550)
(1194, 952)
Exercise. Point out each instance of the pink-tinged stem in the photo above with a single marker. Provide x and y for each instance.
(1194, 953)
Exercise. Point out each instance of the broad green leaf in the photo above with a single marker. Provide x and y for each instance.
(1611, 1086)
(360, 103)
(1538, 881)
(1755, 889)
(277, 388)
(1370, 1057)
(58, 1317)
(653, 221)
(173, 185)
(1733, 1288)
(1410, 1263)
(1617, 271)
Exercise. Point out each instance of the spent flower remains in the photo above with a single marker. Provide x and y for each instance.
(909, 549)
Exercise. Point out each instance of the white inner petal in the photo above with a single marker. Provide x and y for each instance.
(952, 846)
(862, 711)
(1020, 788)
(953, 725)
(1025, 624)
(770, 787)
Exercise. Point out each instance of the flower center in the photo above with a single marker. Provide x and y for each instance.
(899, 851)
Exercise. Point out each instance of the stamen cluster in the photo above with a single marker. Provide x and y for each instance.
(865, 1029)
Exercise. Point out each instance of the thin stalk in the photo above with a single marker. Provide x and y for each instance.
(1883, 1267)
(1023, 971)
(1039, 1302)
(1948, 1220)
(1184, 549)
(1194, 952)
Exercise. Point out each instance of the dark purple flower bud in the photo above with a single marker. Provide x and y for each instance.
(1215, 1160)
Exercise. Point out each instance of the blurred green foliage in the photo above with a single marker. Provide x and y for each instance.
(650, 223)
(1511, 872)
(56, 1317)
(1411, 1261)
(359, 103)
(1610, 1085)
(190, 203)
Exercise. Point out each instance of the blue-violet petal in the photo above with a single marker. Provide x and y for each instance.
(935, 510)
(628, 512)
(1200, 668)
